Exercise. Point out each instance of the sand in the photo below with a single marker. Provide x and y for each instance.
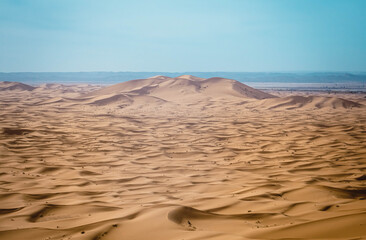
(183, 158)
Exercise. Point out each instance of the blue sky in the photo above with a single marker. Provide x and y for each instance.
(186, 35)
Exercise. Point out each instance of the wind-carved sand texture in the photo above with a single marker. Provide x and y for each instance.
(180, 158)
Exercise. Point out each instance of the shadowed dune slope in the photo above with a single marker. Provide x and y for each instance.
(15, 86)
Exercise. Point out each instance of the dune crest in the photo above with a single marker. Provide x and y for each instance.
(190, 77)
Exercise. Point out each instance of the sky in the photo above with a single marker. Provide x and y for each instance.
(182, 35)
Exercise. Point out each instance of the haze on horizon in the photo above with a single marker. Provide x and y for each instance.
(182, 36)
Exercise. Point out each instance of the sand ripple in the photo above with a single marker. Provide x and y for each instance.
(212, 170)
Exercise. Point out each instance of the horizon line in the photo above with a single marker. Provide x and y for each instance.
(299, 71)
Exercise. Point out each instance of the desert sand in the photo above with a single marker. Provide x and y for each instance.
(180, 158)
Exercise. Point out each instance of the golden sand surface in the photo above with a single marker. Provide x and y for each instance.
(183, 158)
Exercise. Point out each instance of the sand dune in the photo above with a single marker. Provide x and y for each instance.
(189, 89)
(311, 102)
(184, 87)
(181, 158)
(4, 86)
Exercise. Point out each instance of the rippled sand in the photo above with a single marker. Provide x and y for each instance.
(209, 169)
